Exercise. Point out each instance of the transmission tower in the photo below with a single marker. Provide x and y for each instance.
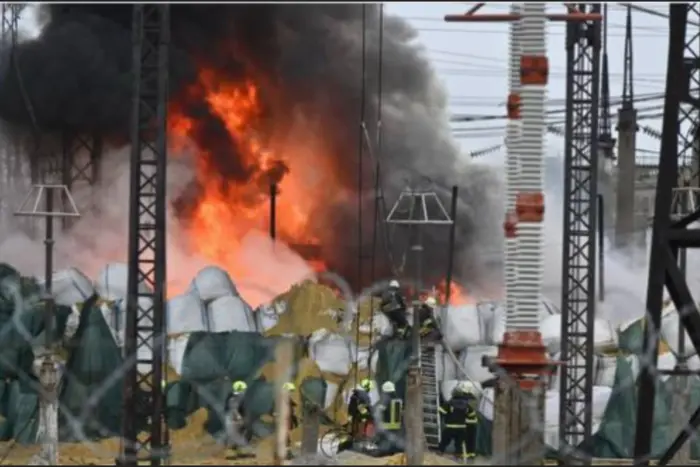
(678, 144)
(580, 191)
(145, 317)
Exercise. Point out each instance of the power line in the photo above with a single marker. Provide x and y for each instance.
(552, 33)
(468, 66)
(657, 29)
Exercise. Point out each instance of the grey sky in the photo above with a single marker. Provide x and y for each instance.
(471, 60)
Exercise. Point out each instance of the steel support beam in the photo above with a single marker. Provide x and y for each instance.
(680, 123)
(81, 158)
(145, 326)
(578, 271)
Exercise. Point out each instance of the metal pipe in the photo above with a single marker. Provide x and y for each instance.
(601, 247)
(48, 268)
(451, 245)
(273, 211)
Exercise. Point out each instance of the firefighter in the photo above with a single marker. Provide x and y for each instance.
(460, 418)
(393, 306)
(426, 318)
(360, 408)
(390, 412)
(235, 433)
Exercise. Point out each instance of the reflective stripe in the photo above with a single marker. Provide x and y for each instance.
(441, 410)
(472, 422)
(451, 425)
(395, 414)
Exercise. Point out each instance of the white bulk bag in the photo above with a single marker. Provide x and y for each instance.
(176, 351)
(229, 313)
(471, 361)
(70, 286)
(185, 313)
(550, 330)
(462, 326)
(605, 335)
(211, 283)
(267, 316)
(111, 282)
(331, 352)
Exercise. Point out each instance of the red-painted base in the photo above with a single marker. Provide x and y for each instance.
(524, 356)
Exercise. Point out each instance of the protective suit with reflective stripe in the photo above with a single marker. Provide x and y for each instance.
(237, 437)
(393, 306)
(460, 422)
(360, 408)
(390, 411)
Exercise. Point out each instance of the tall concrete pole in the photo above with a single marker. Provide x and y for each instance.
(626, 175)
(522, 353)
(625, 215)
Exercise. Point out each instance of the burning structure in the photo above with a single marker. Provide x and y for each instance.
(262, 94)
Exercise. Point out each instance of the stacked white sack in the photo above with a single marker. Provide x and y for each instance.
(225, 309)
(111, 282)
(463, 326)
(471, 362)
(69, 286)
(601, 397)
(605, 334)
(334, 353)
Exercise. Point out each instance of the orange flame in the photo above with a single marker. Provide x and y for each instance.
(226, 212)
(458, 296)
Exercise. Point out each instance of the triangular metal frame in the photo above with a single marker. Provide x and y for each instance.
(418, 199)
(38, 195)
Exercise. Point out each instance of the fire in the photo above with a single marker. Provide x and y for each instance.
(227, 211)
(458, 296)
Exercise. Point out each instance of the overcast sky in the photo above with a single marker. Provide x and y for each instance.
(471, 60)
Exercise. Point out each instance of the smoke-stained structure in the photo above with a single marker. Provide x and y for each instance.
(305, 62)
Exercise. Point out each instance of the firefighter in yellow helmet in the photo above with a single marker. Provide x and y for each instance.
(360, 408)
(390, 411)
(234, 419)
(460, 418)
(426, 318)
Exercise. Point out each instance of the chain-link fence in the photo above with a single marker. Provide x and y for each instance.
(337, 341)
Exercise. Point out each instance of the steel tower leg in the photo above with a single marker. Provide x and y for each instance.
(144, 336)
(681, 107)
(578, 264)
(80, 163)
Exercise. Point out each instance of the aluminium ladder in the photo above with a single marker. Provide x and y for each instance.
(431, 393)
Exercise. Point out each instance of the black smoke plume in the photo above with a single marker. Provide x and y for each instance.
(76, 75)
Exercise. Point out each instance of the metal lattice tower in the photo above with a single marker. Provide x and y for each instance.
(670, 235)
(580, 191)
(145, 326)
(80, 162)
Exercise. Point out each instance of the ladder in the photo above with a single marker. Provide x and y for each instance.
(431, 390)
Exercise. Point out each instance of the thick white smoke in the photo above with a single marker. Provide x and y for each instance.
(100, 236)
